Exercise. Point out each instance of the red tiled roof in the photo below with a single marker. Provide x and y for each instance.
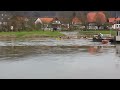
(92, 16)
(112, 20)
(46, 20)
(76, 20)
(117, 19)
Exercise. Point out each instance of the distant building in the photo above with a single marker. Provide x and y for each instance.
(48, 22)
(76, 21)
(4, 19)
(77, 24)
(92, 19)
(115, 22)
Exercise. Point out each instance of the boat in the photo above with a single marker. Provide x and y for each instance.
(101, 39)
(97, 39)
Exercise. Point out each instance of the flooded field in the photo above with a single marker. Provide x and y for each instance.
(63, 59)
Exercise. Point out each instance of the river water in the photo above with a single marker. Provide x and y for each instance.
(58, 59)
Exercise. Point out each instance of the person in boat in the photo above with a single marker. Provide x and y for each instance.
(100, 35)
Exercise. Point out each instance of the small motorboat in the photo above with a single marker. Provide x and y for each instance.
(100, 39)
(97, 39)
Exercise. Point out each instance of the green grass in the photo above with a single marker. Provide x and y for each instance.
(32, 33)
(93, 32)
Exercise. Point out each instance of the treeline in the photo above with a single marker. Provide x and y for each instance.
(24, 20)
(53, 13)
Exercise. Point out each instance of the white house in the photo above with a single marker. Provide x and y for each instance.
(115, 23)
(49, 23)
(92, 26)
(93, 17)
(116, 26)
(38, 21)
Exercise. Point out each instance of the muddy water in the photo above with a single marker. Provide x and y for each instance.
(58, 59)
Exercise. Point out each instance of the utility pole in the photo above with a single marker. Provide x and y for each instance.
(115, 20)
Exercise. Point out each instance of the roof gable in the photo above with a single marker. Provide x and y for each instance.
(113, 20)
(46, 20)
(76, 20)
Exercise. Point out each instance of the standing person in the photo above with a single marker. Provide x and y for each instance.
(11, 28)
(54, 28)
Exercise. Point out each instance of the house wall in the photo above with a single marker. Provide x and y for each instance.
(38, 21)
(116, 26)
(92, 26)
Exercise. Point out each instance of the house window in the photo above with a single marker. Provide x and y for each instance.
(116, 26)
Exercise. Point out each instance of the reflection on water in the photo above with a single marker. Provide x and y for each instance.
(24, 51)
(58, 59)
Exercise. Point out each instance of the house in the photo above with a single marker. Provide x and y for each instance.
(67, 22)
(56, 23)
(95, 18)
(64, 23)
(4, 19)
(115, 22)
(48, 22)
(76, 22)
(91, 20)
(44, 21)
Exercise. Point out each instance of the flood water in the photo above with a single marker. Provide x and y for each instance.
(58, 59)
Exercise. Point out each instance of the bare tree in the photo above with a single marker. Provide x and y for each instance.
(99, 20)
(14, 22)
(66, 17)
(107, 14)
(18, 23)
(82, 16)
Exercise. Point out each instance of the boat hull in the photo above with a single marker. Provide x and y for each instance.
(100, 40)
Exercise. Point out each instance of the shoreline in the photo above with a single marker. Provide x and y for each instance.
(29, 35)
(5, 38)
(73, 46)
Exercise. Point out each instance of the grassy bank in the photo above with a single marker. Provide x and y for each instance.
(30, 34)
(93, 32)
